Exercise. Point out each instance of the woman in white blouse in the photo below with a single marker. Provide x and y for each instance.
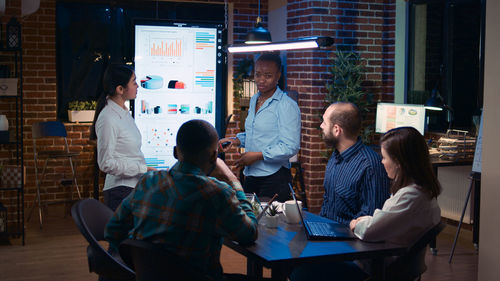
(118, 138)
(412, 209)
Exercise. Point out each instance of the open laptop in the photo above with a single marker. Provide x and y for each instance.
(316, 230)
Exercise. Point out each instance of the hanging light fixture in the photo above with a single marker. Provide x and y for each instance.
(298, 44)
(259, 34)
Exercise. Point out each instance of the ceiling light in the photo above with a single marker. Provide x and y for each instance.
(259, 34)
(299, 44)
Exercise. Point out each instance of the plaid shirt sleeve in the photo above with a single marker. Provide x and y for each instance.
(237, 219)
(121, 223)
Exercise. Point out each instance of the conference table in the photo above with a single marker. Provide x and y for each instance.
(285, 247)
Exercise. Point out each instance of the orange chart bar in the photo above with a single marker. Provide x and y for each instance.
(174, 49)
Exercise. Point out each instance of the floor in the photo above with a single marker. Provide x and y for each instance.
(58, 252)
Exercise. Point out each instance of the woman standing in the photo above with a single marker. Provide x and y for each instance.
(272, 134)
(118, 138)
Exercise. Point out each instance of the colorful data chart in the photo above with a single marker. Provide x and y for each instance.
(170, 48)
(156, 163)
(204, 40)
(205, 79)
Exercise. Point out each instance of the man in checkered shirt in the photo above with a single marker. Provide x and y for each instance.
(185, 210)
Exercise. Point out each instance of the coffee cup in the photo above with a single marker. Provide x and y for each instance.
(291, 212)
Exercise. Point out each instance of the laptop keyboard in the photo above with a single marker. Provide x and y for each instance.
(320, 229)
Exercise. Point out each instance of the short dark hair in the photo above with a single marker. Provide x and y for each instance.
(194, 137)
(407, 147)
(271, 57)
(348, 118)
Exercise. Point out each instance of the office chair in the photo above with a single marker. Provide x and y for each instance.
(91, 217)
(54, 129)
(411, 265)
(153, 263)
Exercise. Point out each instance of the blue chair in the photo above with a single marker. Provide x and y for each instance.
(91, 217)
(54, 130)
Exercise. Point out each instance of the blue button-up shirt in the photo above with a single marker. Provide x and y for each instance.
(355, 184)
(274, 130)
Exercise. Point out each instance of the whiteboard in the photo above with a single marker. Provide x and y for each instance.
(476, 165)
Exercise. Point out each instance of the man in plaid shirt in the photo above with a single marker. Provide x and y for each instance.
(185, 210)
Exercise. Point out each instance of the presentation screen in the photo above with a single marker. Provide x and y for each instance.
(390, 115)
(179, 69)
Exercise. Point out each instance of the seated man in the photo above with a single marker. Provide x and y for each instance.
(355, 181)
(183, 208)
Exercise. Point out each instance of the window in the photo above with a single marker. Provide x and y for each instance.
(444, 58)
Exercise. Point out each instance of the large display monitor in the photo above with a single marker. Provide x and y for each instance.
(391, 115)
(179, 69)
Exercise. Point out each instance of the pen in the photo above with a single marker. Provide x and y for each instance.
(257, 199)
(268, 204)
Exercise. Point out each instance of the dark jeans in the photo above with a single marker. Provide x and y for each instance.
(113, 197)
(267, 186)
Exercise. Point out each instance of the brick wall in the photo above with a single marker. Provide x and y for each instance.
(364, 26)
(367, 27)
(40, 99)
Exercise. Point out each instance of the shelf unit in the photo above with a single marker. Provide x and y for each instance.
(13, 58)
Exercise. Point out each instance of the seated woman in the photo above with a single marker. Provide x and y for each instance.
(411, 210)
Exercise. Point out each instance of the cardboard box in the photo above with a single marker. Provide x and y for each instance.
(8, 86)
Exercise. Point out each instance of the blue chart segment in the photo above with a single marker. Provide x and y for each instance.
(204, 40)
(156, 163)
(205, 79)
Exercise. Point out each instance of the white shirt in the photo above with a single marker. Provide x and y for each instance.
(119, 147)
(404, 217)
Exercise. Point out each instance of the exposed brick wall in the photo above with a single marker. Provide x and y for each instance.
(366, 27)
(40, 100)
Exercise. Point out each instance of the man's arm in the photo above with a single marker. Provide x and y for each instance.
(236, 218)
(374, 191)
(120, 224)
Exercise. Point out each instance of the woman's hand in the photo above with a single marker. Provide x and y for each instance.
(248, 158)
(226, 143)
(352, 224)
(151, 169)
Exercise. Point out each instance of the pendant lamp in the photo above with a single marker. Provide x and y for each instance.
(258, 35)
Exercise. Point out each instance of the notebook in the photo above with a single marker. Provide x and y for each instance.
(316, 230)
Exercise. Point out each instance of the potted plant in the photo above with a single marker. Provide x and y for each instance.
(81, 111)
(272, 216)
(347, 74)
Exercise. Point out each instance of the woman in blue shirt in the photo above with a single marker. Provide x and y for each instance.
(272, 133)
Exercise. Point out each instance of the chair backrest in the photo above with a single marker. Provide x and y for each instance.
(412, 264)
(91, 217)
(48, 129)
(153, 263)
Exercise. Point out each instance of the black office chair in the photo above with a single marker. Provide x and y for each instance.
(153, 263)
(412, 265)
(91, 217)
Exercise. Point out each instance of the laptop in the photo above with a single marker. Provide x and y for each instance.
(316, 230)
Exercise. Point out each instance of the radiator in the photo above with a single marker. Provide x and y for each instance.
(455, 183)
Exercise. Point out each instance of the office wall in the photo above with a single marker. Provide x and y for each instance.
(366, 27)
(489, 244)
(40, 96)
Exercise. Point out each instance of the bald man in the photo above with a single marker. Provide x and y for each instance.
(355, 180)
